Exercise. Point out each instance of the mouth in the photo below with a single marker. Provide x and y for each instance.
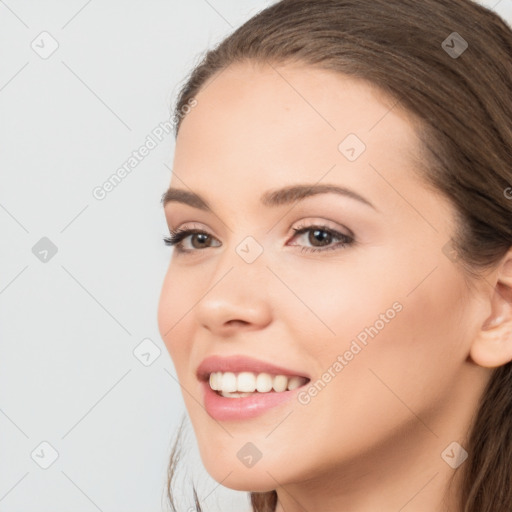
(238, 374)
(243, 384)
(241, 387)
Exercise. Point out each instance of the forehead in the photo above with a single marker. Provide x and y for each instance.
(274, 125)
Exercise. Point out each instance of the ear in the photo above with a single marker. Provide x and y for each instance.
(492, 345)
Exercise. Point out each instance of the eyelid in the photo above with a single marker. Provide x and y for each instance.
(327, 224)
(190, 225)
(311, 222)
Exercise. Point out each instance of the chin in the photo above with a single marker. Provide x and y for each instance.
(249, 480)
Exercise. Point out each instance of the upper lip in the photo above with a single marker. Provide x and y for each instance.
(240, 363)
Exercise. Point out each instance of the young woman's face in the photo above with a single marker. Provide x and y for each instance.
(368, 303)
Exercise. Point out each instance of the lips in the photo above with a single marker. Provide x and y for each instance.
(225, 406)
(240, 363)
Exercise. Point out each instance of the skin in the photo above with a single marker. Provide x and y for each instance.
(372, 438)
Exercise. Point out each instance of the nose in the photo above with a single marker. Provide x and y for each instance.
(236, 298)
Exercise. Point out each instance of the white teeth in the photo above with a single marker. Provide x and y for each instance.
(214, 380)
(230, 384)
(264, 382)
(295, 382)
(246, 382)
(279, 383)
(234, 395)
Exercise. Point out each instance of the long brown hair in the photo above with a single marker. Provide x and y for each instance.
(462, 103)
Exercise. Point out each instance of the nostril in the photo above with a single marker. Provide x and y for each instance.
(237, 322)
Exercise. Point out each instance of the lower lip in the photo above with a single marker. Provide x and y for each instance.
(225, 409)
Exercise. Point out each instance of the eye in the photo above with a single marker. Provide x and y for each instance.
(323, 236)
(178, 236)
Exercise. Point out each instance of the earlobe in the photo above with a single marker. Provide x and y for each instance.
(492, 346)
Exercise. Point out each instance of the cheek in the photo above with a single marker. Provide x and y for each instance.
(399, 328)
(403, 297)
(333, 304)
(408, 363)
(174, 303)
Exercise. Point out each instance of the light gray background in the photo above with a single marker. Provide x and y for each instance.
(69, 326)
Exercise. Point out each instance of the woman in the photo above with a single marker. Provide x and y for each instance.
(338, 303)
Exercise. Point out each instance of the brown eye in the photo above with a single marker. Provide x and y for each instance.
(321, 238)
(201, 238)
(178, 237)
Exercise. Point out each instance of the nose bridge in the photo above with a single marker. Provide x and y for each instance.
(244, 266)
(244, 246)
(238, 288)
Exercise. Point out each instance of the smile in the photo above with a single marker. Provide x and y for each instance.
(240, 387)
(231, 385)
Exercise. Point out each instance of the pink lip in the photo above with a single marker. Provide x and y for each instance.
(239, 363)
(233, 409)
(228, 409)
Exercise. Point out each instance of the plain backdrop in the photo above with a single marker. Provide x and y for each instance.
(89, 401)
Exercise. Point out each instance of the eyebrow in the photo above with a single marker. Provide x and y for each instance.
(271, 198)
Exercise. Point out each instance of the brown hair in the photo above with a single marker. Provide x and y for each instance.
(463, 108)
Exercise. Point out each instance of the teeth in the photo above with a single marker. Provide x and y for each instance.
(280, 383)
(264, 382)
(295, 382)
(245, 383)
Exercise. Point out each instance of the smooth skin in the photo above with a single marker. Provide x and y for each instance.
(371, 440)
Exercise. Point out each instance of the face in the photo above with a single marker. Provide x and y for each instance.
(363, 302)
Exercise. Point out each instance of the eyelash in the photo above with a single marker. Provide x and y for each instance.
(177, 236)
